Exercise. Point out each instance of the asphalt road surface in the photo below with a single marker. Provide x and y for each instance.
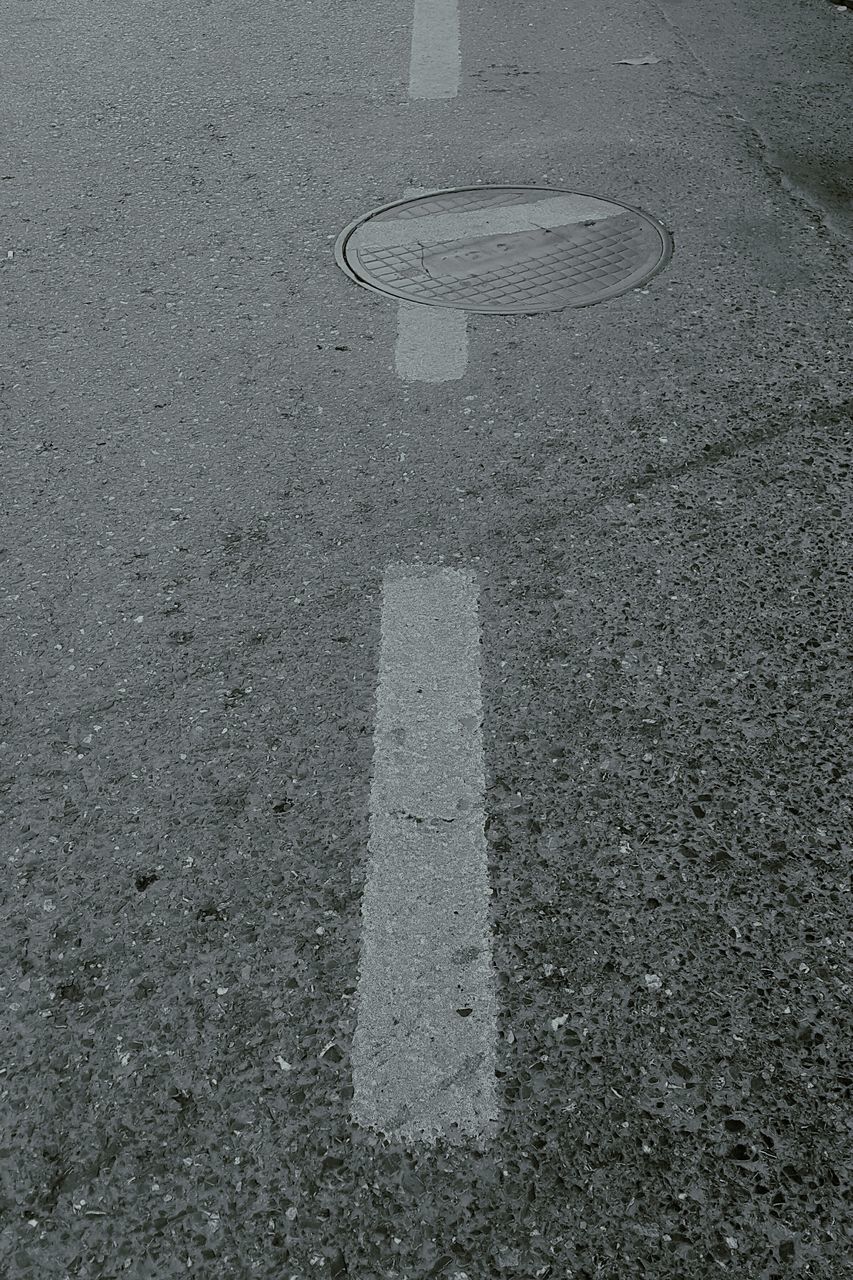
(425, 736)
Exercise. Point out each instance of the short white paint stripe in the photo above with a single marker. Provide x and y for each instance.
(432, 342)
(424, 1048)
(434, 228)
(434, 64)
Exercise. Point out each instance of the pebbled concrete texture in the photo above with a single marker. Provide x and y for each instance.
(209, 462)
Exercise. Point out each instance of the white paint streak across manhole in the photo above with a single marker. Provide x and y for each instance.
(504, 250)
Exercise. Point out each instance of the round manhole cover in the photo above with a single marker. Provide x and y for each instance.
(503, 250)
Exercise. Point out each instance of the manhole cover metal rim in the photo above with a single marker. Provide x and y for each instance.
(342, 242)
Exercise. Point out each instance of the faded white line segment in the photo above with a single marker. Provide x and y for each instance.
(436, 228)
(424, 1048)
(432, 342)
(435, 59)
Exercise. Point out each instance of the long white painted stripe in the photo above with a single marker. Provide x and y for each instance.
(435, 59)
(432, 342)
(424, 1049)
(434, 228)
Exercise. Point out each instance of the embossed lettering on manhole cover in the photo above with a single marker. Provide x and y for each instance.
(503, 250)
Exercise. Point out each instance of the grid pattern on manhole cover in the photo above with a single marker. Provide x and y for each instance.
(531, 249)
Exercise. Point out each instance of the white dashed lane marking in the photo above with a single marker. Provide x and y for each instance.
(432, 342)
(425, 1041)
(435, 58)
